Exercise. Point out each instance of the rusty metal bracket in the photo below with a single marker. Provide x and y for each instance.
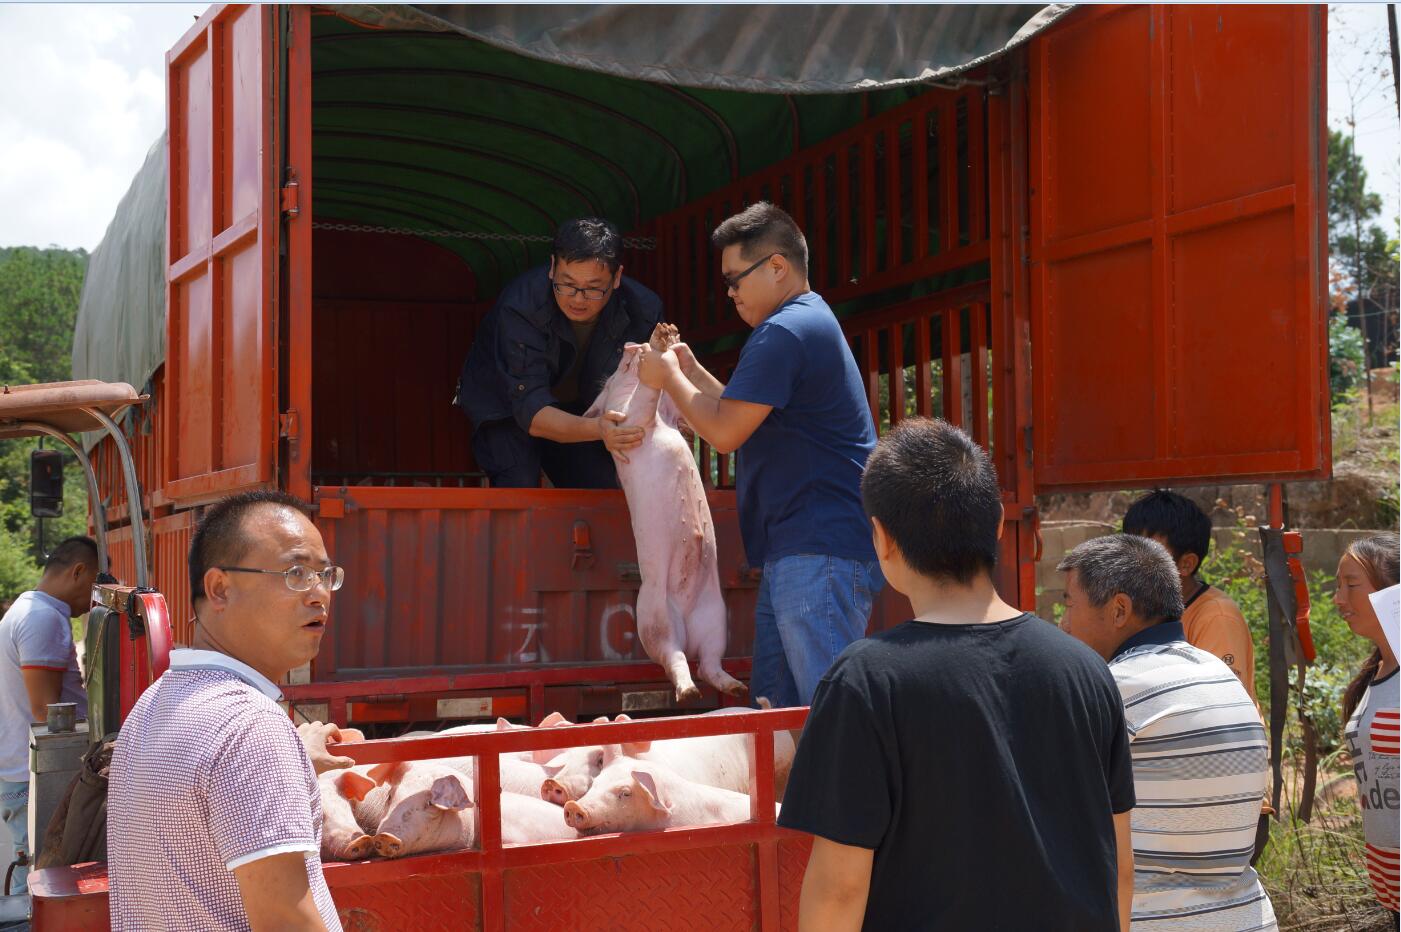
(583, 547)
(290, 205)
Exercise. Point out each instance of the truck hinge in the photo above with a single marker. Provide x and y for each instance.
(290, 206)
(287, 424)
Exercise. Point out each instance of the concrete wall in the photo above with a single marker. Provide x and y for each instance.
(1322, 549)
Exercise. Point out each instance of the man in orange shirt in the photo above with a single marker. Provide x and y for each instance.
(1210, 619)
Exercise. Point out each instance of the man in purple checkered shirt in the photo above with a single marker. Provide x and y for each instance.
(214, 814)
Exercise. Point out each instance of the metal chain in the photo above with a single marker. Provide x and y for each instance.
(630, 242)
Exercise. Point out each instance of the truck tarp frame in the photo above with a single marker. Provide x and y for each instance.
(758, 48)
(431, 119)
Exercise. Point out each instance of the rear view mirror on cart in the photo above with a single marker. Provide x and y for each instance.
(46, 483)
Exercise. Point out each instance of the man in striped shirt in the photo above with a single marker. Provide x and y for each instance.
(1200, 755)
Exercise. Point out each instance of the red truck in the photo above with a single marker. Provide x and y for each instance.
(1101, 250)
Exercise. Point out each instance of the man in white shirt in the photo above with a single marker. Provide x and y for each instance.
(1200, 757)
(39, 666)
(213, 810)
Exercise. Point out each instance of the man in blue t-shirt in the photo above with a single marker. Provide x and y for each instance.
(796, 412)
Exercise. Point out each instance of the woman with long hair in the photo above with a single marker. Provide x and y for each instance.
(1370, 708)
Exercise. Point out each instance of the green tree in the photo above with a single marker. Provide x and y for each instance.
(1349, 201)
(39, 293)
(1364, 257)
(1344, 357)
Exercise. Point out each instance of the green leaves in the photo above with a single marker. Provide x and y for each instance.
(1240, 574)
(39, 293)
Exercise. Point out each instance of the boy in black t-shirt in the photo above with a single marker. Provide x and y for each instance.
(968, 769)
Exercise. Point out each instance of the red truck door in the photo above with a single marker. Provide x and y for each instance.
(1179, 308)
(222, 245)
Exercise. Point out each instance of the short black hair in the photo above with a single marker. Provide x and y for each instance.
(936, 493)
(589, 238)
(1131, 564)
(1176, 518)
(763, 227)
(70, 552)
(220, 540)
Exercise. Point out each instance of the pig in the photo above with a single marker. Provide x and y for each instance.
(529, 818)
(351, 807)
(638, 796)
(553, 720)
(521, 772)
(721, 761)
(430, 809)
(680, 610)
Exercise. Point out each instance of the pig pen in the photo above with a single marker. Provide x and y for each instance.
(742, 876)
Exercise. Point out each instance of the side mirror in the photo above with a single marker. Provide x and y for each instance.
(46, 483)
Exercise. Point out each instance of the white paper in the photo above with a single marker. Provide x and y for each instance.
(1387, 604)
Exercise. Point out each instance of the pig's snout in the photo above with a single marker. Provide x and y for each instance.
(552, 791)
(576, 816)
(387, 845)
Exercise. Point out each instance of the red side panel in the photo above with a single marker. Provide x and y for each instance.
(1179, 310)
(222, 229)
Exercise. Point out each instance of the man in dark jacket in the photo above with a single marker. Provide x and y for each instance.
(540, 357)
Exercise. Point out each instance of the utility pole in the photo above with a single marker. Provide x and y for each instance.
(1395, 55)
(1355, 191)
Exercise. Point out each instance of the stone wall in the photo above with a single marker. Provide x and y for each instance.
(1322, 549)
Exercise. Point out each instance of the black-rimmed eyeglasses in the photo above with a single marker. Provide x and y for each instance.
(299, 578)
(732, 281)
(590, 294)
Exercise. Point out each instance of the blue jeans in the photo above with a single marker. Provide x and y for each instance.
(810, 608)
(14, 809)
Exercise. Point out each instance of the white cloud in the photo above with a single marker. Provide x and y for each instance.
(82, 97)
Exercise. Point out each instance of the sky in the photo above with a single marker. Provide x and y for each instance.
(82, 99)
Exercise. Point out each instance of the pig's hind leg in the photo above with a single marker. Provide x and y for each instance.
(663, 636)
(706, 631)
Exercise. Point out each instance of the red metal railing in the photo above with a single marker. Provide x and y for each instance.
(899, 198)
(493, 860)
(750, 871)
(531, 681)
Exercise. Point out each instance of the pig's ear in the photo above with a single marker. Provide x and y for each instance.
(387, 773)
(553, 719)
(543, 755)
(354, 785)
(632, 349)
(503, 724)
(552, 770)
(449, 794)
(601, 720)
(764, 703)
(633, 748)
(648, 785)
